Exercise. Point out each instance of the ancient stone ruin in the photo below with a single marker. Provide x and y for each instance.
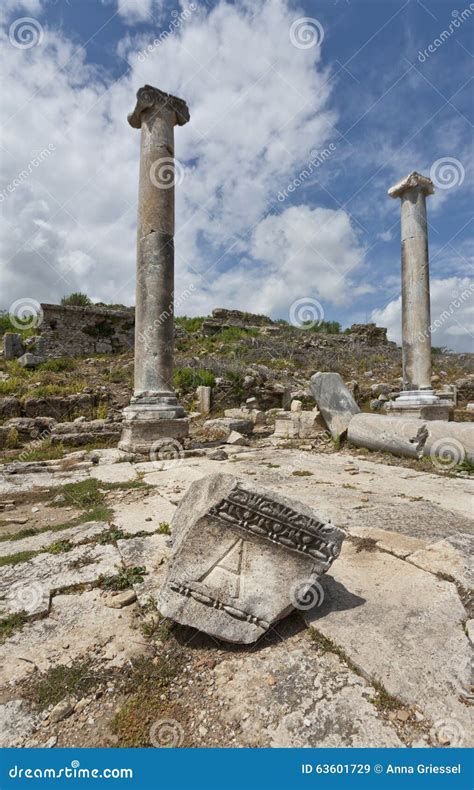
(154, 413)
(243, 558)
(417, 398)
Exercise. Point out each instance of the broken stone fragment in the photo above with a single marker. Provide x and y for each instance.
(62, 710)
(334, 400)
(237, 439)
(29, 360)
(243, 558)
(222, 427)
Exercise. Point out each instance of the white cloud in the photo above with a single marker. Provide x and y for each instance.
(258, 107)
(10, 7)
(307, 253)
(133, 11)
(452, 314)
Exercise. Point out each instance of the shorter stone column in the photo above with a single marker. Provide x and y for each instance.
(418, 398)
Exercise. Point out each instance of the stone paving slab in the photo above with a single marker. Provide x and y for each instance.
(79, 626)
(27, 587)
(393, 542)
(44, 539)
(133, 517)
(288, 696)
(152, 553)
(114, 473)
(451, 557)
(401, 626)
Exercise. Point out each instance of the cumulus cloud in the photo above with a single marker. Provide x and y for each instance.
(452, 314)
(70, 224)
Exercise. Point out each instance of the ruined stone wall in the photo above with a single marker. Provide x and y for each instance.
(80, 331)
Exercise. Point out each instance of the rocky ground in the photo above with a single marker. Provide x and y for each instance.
(87, 660)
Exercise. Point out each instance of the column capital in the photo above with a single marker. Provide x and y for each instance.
(413, 181)
(149, 97)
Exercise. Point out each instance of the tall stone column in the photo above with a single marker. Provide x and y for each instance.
(417, 398)
(154, 415)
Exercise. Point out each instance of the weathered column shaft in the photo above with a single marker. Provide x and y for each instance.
(416, 333)
(154, 415)
(154, 322)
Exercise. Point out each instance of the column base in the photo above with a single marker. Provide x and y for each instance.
(153, 431)
(421, 405)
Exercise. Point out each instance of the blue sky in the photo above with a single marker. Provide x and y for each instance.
(366, 90)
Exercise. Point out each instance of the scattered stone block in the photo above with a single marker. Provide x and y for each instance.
(222, 427)
(298, 424)
(30, 360)
(296, 405)
(258, 417)
(120, 599)
(204, 395)
(240, 556)
(12, 345)
(237, 439)
(286, 425)
(62, 710)
(334, 400)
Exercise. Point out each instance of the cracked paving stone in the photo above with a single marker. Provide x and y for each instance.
(27, 587)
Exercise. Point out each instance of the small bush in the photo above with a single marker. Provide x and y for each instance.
(77, 299)
(187, 379)
(123, 580)
(193, 324)
(13, 439)
(58, 365)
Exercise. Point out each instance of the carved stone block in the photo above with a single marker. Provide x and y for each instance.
(242, 556)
